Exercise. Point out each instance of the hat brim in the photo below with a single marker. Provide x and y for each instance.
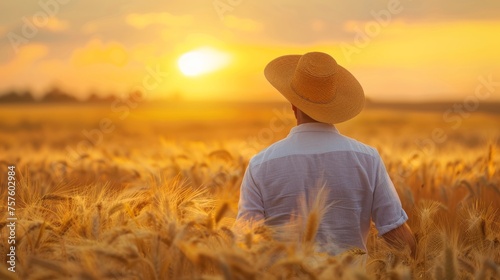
(348, 101)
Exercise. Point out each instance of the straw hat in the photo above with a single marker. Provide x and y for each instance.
(317, 85)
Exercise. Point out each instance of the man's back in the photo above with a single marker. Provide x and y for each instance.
(315, 153)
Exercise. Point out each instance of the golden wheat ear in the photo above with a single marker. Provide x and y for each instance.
(311, 212)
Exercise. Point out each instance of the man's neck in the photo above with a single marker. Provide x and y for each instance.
(299, 122)
(301, 117)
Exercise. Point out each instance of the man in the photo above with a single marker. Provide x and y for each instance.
(323, 93)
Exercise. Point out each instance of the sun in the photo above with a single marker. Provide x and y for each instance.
(201, 61)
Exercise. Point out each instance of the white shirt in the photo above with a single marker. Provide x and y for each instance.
(359, 188)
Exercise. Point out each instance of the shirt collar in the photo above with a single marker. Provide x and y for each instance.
(314, 127)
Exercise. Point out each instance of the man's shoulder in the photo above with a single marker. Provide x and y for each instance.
(361, 147)
(273, 151)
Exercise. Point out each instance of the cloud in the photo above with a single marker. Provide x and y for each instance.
(242, 24)
(318, 25)
(106, 25)
(56, 25)
(95, 52)
(26, 57)
(141, 21)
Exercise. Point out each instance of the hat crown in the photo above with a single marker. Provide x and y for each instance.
(313, 79)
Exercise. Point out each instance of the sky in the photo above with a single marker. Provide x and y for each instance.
(399, 50)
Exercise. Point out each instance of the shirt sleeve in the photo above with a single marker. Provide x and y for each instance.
(387, 211)
(250, 206)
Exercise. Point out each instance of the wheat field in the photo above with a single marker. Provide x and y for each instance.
(151, 193)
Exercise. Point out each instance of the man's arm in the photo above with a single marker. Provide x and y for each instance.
(250, 206)
(388, 213)
(401, 237)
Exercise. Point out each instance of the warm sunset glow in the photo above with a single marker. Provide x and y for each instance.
(202, 61)
(398, 50)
